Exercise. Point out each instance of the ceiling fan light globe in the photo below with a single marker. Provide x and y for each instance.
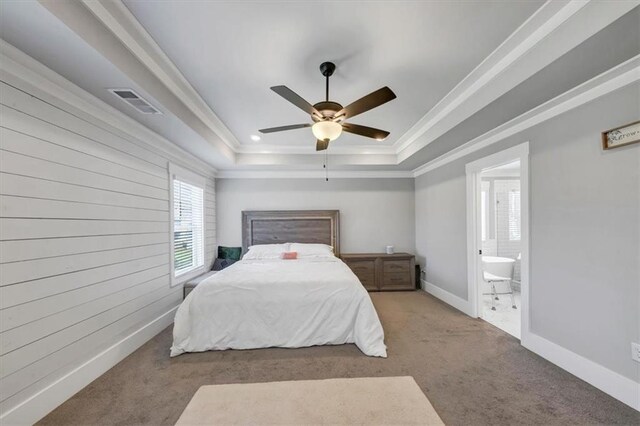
(326, 130)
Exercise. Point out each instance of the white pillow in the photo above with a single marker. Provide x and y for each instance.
(265, 251)
(311, 250)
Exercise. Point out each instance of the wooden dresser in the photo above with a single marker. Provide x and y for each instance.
(383, 272)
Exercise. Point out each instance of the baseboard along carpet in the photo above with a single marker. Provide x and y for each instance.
(369, 400)
(472, 372)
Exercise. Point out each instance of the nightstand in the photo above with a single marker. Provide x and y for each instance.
(381, 271)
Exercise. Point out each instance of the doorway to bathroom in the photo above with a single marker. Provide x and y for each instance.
(498, 239)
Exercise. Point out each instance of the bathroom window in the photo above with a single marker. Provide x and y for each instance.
(487, 212)
(514, 215)
(483, 215)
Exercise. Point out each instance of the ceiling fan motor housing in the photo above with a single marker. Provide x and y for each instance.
(328, 109)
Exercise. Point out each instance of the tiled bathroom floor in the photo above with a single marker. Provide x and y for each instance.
(504, 317)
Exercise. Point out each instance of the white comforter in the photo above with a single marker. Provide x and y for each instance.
(285, 303)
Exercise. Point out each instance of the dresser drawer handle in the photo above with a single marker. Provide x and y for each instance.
(397, 280)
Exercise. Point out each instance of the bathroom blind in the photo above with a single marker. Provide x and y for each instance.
(188, 227)
(514, 215)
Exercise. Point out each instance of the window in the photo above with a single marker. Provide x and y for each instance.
(514, 215)
(483, 215)
(486, 210)
(187, 225)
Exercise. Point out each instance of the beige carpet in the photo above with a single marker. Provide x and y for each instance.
(370, 400)
(472, 372)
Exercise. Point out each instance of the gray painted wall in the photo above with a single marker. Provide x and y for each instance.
(373, 212)
(585, 230)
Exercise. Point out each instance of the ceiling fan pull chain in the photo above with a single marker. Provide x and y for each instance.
(326, 165)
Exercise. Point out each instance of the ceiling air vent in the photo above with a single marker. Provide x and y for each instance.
(135, 100)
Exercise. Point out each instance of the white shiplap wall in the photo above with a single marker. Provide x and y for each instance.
(84, 239)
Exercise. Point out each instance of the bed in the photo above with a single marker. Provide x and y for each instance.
(270, 302)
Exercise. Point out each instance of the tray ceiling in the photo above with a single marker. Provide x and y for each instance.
(232, 52)
(208, 67)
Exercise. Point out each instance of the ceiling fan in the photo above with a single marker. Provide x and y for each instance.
(329, 116)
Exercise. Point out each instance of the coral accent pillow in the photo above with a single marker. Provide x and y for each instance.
(289, 255)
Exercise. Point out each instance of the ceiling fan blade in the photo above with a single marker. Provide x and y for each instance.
(322, 145)
(283, 128)
(368, 132)
(372, 100)
(295, 99)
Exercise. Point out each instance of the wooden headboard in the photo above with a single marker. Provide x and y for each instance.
(291, 226)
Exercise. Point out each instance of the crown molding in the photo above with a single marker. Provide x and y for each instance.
(120, 21)
(20, 66)
(535, 28)
(336, 149)
(616, 78)
(554, 29)
(543, 36)
(620, 76)
(115, 16)
(314, 174)
(82, 21)
(313, 159)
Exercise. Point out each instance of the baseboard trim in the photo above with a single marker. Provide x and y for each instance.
(449, 298)
(46, 400)
(619, 387)
(616, 385)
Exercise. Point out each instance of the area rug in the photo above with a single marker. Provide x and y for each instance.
(369, 400)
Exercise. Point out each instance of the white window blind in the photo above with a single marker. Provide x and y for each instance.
(188, 227)
(514, 215)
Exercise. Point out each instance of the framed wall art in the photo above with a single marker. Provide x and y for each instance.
(621, 136)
